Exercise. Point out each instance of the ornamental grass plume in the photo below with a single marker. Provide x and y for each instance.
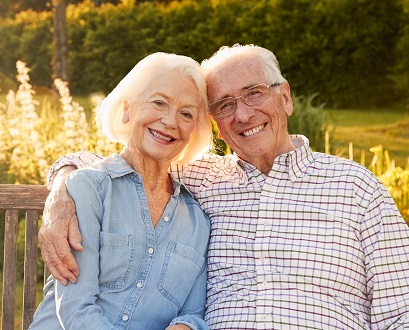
(4, 140)
(74, 134)
(395, 178)
(24, 145)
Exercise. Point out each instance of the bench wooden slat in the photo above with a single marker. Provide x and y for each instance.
(9, 269)
(30, 267)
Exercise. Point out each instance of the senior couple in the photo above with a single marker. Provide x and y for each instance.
(293, 239)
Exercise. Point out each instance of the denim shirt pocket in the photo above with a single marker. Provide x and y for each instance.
(181, 267)
(117, 252)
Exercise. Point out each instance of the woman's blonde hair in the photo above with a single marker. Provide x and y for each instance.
(130, 88)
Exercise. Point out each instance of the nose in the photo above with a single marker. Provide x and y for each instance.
(244, 112)
(169, 119)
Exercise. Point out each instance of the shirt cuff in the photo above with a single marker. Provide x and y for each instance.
(79, 159)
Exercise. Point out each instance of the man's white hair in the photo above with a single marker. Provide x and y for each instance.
(263, 56)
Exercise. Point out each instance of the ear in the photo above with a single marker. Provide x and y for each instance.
(125, 116)
(287, 101)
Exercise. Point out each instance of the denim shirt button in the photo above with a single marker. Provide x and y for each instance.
(139, 285)
(150, 250)
(125, 317)
(166, 219)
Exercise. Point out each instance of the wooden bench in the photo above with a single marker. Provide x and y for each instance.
(15, 199)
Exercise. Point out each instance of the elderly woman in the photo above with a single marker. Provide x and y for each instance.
(144, 236)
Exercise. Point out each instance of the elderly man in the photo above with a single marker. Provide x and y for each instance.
(299, 239)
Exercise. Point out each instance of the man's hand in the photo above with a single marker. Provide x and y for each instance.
(59, 230)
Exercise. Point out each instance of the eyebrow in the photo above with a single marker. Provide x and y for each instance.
(170, 99)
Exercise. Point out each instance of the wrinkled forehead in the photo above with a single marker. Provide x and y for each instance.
(232, 76)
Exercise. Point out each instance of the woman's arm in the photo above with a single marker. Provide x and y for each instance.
(76, 307)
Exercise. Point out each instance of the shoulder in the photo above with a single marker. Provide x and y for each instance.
(343, 168)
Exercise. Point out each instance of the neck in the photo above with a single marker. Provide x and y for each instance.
(265, 162)
(154, 173)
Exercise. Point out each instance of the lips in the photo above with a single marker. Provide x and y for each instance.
(160, 136)
(253, 131)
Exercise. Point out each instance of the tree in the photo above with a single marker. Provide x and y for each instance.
(60, 61)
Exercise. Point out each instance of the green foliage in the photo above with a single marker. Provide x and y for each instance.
(343, 49)
(401, 70)
(27, 38)
(309, 119)
(352, 52)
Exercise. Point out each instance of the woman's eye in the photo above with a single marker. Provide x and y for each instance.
(159, 103)
(187, 114)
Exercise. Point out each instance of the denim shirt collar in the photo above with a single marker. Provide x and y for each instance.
(117, 167)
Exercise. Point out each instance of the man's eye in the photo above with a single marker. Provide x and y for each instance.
(254, 93)
(226, 106)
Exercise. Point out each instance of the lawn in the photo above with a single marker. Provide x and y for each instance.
(371, 127)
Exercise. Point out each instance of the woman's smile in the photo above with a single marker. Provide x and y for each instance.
(162, 137)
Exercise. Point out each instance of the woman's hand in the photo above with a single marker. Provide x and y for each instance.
(59, 230)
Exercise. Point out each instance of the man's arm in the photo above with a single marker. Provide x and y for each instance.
(59, 229)
(386, 245)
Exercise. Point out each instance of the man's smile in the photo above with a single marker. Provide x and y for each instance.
(254, 130)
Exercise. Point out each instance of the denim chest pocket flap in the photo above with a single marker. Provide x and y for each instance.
(116, 254)
(181, 267)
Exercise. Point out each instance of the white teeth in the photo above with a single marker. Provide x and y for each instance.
(160, 136)
(253, 131)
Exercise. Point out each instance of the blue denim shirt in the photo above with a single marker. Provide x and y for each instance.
(133, 276)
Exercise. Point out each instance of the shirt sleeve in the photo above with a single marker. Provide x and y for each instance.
(79, 159)
(76, 303)
(193, 310)
(385, 237)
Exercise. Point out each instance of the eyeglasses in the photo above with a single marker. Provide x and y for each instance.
(254, 95)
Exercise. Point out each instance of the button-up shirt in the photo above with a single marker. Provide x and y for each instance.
(317, 243)
(133, 275)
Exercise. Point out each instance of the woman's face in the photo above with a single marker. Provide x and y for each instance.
(164, 117)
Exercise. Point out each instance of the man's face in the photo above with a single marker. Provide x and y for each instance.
(256, 133)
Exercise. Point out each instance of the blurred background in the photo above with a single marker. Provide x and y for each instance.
(347, 62)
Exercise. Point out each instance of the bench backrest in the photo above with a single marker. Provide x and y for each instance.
(14, 199)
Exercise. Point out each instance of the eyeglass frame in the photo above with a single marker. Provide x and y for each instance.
(234, 98)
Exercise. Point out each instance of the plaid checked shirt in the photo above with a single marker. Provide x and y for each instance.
(318, 243)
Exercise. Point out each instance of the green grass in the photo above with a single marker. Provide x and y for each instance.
(371, 127)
